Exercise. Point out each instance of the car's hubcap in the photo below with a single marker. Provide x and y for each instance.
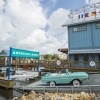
(52, 83)
(76, 83)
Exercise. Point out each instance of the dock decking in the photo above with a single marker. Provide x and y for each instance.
(6, 83)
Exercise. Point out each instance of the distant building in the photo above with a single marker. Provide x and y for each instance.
(4, 54)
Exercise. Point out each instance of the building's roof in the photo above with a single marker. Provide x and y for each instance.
(85, 14)
(64, 50)
(76, 22)
(4, 53)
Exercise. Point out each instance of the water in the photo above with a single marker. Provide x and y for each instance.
(7, 94)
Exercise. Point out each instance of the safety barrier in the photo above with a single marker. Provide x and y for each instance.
(62, 89)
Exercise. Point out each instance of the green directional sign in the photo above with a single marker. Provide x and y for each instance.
(24, 53)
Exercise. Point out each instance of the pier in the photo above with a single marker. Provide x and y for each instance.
(6, 83)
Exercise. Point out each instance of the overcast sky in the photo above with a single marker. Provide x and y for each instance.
(35, 24)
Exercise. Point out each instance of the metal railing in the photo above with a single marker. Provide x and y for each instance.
(84, 66)
(62, 89)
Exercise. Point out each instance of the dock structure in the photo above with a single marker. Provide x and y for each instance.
(6, 88)
(6, 83)
(76, 61)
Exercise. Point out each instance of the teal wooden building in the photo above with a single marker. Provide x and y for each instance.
(84, 40)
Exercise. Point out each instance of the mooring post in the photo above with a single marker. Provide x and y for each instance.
(9, 64)
(38, 64)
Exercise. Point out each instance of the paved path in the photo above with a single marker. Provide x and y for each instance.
(35, 84)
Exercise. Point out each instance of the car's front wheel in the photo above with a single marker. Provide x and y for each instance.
(76, 83)
(52, 83)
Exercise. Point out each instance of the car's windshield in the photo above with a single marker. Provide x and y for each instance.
(69, 71)
(65, 71)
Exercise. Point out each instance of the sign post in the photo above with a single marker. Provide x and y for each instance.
(38, 64)
(9, 64)
(22, 54)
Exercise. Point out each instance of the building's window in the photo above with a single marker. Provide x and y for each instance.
(79, 28)
(98, 25)
(75, 29)
(76, 58)
(85, 58)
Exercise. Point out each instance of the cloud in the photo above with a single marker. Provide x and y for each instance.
(56, 20)
(36, 38)
(20, 19)
(56, 33)
(23, 24)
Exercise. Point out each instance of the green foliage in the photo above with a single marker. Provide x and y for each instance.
(55, 57)
(51, 57)
(48, 57)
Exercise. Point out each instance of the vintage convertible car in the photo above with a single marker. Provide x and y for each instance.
(65, 77)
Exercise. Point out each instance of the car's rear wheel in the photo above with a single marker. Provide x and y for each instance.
(76, 83)
(52, 83)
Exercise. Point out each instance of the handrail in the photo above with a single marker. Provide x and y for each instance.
(60, 86)
(69, 89)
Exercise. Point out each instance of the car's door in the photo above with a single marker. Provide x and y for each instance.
(54, 77)
(64, 78)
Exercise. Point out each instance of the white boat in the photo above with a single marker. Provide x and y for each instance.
(24, 75)
(4, 69)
